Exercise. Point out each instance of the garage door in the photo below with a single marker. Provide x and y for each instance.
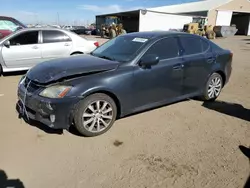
(224, 18)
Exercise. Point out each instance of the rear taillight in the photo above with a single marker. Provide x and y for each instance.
(96, 44)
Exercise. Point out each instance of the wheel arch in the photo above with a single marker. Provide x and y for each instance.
(111, 95)
(223, 75)
(76, 52)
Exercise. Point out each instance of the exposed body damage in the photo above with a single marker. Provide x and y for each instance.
(38, 78)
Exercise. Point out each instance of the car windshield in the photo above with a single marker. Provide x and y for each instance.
(123, 48)
(8, 25)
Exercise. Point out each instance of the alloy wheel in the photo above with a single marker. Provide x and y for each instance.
(214, 87)
(97, 116)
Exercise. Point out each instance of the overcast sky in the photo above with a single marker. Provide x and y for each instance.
(70, 11)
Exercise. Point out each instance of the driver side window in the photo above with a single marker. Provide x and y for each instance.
(27, 38)
(165, 48)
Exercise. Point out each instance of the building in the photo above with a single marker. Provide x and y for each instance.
(217, 12)
(145, 20)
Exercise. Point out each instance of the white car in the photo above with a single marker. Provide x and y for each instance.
(27, 47)
(68, 27)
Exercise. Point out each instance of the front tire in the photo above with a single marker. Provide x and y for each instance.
(95, 115)
(213, 87)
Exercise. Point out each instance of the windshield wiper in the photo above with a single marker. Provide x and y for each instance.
(106, 57)
(103, 56)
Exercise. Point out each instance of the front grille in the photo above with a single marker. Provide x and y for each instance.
(30, 85)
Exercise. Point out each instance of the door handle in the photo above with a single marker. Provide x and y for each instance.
(35, 47)
(210, 59)
(66, 44)
(178, 67)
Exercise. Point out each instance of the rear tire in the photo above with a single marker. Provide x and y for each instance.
(1, 70)
(213, 87)
(95, 115)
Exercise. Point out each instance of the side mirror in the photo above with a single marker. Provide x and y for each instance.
(7, 43)
(149, 60)
(18, 28)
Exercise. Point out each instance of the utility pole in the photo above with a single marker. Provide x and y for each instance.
(58, 19)
(36, 18)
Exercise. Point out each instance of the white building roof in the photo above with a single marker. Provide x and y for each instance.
(200, 6)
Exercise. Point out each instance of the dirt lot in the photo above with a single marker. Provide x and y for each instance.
(187, 144)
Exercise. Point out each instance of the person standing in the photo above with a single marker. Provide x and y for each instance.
(103, 28)
(121, 30)
(113, 32)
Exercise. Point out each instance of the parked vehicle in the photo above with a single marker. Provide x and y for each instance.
(28, 47)
(199, 27)
(55, 26)
(88, 31)
(9, 25)
(80, 30)
(68, 27)
(127, 74)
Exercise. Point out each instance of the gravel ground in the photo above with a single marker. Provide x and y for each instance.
(186, 144)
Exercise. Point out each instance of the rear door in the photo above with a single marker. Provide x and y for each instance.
(198, 59)
(24, 50)
(55, 44)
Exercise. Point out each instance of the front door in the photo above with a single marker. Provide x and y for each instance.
(198, 59)
(24, 50)
(55, 44)
(162, 82)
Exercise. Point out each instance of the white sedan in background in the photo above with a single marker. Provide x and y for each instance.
(28, 47)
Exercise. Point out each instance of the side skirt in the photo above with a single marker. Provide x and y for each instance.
(160, 104)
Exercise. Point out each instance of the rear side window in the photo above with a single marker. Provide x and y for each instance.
(204, 45)
(191, 45)
(165, 48)
(55, 36)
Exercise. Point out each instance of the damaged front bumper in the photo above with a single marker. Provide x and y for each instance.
(55, 113)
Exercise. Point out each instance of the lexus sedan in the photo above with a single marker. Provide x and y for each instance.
(128, 74)
(27, 47)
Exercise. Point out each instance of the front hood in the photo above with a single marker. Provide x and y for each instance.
(51, 71)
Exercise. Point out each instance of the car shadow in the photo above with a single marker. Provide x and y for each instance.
(246, 152)
(231, 109)
(7, 183)
(153, 108)
(17, 73)
(72, 130)
(38, 125)
(246, 39)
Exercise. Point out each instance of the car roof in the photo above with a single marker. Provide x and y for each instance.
(5, 17)
(41, 28)
(156, 34)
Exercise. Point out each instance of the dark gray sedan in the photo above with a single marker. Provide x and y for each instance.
(127, 74)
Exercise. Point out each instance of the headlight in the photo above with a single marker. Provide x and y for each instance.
(57, 91)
